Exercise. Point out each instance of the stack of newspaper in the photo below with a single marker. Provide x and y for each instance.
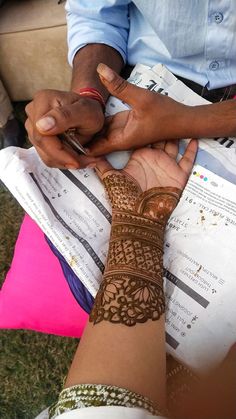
(71, 208)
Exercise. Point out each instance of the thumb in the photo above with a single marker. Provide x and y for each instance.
(59, 119)
(118, 86)
(63, 117)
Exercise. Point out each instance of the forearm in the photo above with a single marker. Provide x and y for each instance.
(211, 121)
(131, 294)
(85, 66)
(114, 354)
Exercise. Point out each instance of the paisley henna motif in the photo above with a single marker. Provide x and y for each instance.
(132, 288)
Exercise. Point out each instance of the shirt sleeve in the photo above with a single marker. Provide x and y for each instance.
(100, 21)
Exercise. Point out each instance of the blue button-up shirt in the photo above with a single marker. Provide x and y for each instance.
(195, 39)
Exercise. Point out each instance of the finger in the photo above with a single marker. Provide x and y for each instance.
(61, 118)
(60, 158)
(118, 86)
(159, 145)
(187, 161)
(34, 139)
(42, 103)
(172, 148)
(102, 167)
(29, 109)
(104, 145)
(28, 126)
(108, 120)
(45, 100)
(111, 138)
(56, 154)
(65, 162)
(101, 146)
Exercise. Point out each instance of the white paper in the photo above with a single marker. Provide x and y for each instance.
(200, 287)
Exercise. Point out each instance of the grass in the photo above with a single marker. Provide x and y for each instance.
(32, 365)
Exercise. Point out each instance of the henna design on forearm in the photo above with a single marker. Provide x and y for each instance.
(132, 288)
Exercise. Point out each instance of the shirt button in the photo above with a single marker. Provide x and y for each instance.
(214, 65)
(218, 17)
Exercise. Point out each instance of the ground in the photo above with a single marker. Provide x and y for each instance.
(32, 365)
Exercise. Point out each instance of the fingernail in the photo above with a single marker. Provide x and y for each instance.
(71, 167)
(106, 72)
(46, 123)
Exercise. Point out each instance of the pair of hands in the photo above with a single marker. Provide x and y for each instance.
(52, 112)
(153, 117)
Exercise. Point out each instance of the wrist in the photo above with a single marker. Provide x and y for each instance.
(138, 228)
(213, 120)
(131, 291)
(132, 288)
(218, 119)
(91, 93)
(85, 65)
(136, 245)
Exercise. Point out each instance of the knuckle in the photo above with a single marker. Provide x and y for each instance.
(43, 94)
(27, 124)
(29, 108)
(60, 98)
(63, 113)
(86, 103)
(119, 85)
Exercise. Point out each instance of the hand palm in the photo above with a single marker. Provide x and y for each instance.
(157, 167)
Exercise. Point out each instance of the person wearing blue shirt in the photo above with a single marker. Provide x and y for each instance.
(194, 39)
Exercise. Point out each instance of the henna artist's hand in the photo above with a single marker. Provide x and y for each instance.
(155, 117)
(52, 112)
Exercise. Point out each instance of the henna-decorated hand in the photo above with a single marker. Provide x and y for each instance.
(143, 195)
(155, 167)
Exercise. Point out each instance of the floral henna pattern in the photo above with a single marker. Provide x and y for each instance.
(132, 288)
(128, 299)
(125, 194)
(158, 203)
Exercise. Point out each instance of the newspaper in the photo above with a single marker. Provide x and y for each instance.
(71, 208)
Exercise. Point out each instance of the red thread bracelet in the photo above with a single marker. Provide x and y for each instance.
(92, 93)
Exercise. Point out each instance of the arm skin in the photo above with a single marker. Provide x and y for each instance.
(85, 66)
(154, 117)
(134, 358)
(111, 352)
